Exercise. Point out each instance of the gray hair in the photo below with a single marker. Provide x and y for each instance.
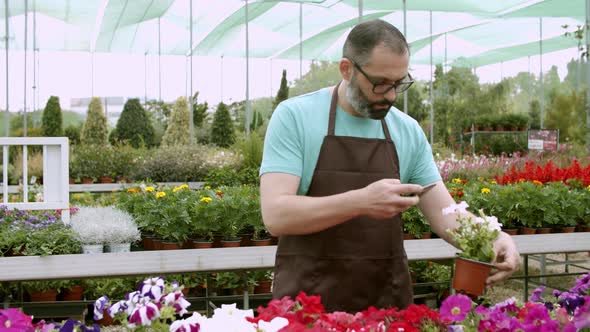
(364, 37)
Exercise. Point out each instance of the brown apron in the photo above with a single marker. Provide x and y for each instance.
(361, 262)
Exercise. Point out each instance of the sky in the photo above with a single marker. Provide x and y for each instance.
(69, 75)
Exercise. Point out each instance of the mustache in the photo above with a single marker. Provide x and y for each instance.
(384, 102)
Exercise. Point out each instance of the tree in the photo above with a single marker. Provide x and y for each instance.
(283, 92)
(178, 131)
(72, 132)
(566, 113)
(535, 114)
(95, 130)
(320, 75)
(134, 126)
(51, 121)
(199, 111)
(257, 121)
(222, 132)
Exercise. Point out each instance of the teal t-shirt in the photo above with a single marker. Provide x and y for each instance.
(298, 126)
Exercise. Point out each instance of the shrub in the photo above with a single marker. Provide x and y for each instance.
(95, 131)
(251, 148)
(134, 126)
(176, 163)
(72, 132)
(222, 132)
(178, 131)
(51, 121)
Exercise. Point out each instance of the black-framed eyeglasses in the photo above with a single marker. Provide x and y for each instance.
(383, 88)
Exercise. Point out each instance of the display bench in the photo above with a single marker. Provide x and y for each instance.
(25, 268)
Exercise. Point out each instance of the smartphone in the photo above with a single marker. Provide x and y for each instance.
(424, 189)
(427, 188)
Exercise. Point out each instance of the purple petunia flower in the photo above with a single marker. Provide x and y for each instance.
(570, 301)
(537, 295)
(70, 326)
(177, 301)
(152, 288)
(455, 308)
(99, 306)
(143, 314)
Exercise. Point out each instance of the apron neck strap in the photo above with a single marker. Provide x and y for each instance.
(332, 120)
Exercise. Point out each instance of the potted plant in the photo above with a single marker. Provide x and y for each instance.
(415, 225)
(475, 238)
(54, 238)
(88, 226)
(43, 291)
(120, 230)
(203, 224)
(228, 211)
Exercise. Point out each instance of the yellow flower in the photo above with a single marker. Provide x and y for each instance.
(456, 180)
(485, 190)
(133, 190)
(160, 194)
(149, 189)
(493, 182)
(205, 200)
(207, 188)
(480, 178)
(537, 182)
(588, 187)
(184, 186)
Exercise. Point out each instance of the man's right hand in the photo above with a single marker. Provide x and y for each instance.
(383, 199)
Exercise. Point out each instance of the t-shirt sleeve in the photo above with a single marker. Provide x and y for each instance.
(283, 148)
(424, 171)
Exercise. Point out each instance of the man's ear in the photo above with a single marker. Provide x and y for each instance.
(345, 67)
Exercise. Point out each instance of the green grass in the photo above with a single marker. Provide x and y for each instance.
(69, 118)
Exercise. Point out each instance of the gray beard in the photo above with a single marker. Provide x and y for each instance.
(360, 104)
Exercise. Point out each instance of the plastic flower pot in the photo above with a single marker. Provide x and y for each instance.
(74, 293)
(202, 244)
(118, 247)
(92, 248)
(470, 276)
(43, 296)
(261, 242)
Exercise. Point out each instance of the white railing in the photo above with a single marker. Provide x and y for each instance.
(220, 259)
(55, 174)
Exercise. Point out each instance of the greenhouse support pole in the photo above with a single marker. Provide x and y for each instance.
(34, 54)
(7, 34)
(529, 85)
(360, 8)
(221, 81)
(301, 48)
(431, 87)
(25, 72)
(247, 122)
(191, 101)
(91, 73)
(159, 63)
(542, 99)
(145, 77)
(405, 35)
(587, 77)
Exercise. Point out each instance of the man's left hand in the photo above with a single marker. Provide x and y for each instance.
(507, 260)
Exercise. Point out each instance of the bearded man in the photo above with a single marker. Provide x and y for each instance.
(339, 167)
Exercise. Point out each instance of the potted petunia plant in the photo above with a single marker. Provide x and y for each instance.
(475, 237)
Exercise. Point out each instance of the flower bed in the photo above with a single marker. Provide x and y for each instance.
(162, 307)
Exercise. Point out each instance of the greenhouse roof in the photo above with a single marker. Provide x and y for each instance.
(464, 32)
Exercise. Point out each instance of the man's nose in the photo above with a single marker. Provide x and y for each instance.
(390, 95)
